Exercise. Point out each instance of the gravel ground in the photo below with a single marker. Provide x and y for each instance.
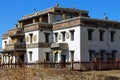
(56, 74)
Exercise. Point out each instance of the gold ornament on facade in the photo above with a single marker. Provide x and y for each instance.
(35, 37)
(67, 35)
(59, 36)
(27, 39)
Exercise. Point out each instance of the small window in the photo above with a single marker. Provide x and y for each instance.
(21, 40)
(72, 55)
(112, 33)
(5, 42)
(114, 54)
(102, 53)
(31, 37)
(47, 37)
(47, 56)
(101, 32)
(90, 36)
(72, 35)
(63, 36)
(56, 56)
(56, 37)
(30, 55)
(91, 55)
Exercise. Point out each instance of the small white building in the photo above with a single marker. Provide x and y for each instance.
(61, 35)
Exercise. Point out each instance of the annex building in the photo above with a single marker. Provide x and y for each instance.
(61, 34)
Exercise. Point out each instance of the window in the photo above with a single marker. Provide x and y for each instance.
(72, 55)
(72, 35)
(90, 31)
(63, 36)
(21, 40)
(101, 32)
(47, 37)
(30, 55)
(91, 55)
(114, 54)
(102, 54)
(47, 56)
(56, 56)
(5, 42)
(56, 37)
(31, 36)
(112, 33)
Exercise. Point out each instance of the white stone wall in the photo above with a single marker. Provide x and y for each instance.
(34, 33)
(96, 44)
(8, 41)
(34, 55)
(42, 36)
(81, 45)
(3, 43)
(73, 45)
(38, 54)
(42, 53)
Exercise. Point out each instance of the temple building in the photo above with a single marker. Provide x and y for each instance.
(61, 34)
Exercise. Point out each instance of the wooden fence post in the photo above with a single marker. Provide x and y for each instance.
(116, 62)
(72, 65)
(95, 63)
(44, 63)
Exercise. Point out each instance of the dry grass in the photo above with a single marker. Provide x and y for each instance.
(38, 73)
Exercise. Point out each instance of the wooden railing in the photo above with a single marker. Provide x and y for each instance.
(101, 65)
(20, 46)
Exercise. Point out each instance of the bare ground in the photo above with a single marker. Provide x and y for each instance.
(56, 74)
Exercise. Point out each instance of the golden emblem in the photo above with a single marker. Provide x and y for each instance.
(59, 36)
(35, 37)
(67, 35)
(27, 39)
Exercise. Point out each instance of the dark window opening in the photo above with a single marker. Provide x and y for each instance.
(72, 35)
(101, 35)
(102, 53)
(63, 36)
(5, 42)
(56, 37)
(72, 55)
(31, 37)
(112, 33)
(47, 56)
(47, 37)
(91, 55)
(30, 55)
(56, 56)
(90, 31)
(114, 54)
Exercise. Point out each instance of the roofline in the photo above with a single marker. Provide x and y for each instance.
(66, 20)
(85, 18)
(42, 11)
(47, 11)
(100, 19)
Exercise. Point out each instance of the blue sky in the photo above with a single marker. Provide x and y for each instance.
(12, 10)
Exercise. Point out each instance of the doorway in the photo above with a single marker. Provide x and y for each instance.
(22, 58)
(63, 58)
(63, 61)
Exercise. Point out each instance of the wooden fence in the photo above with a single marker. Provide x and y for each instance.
(99, 65)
